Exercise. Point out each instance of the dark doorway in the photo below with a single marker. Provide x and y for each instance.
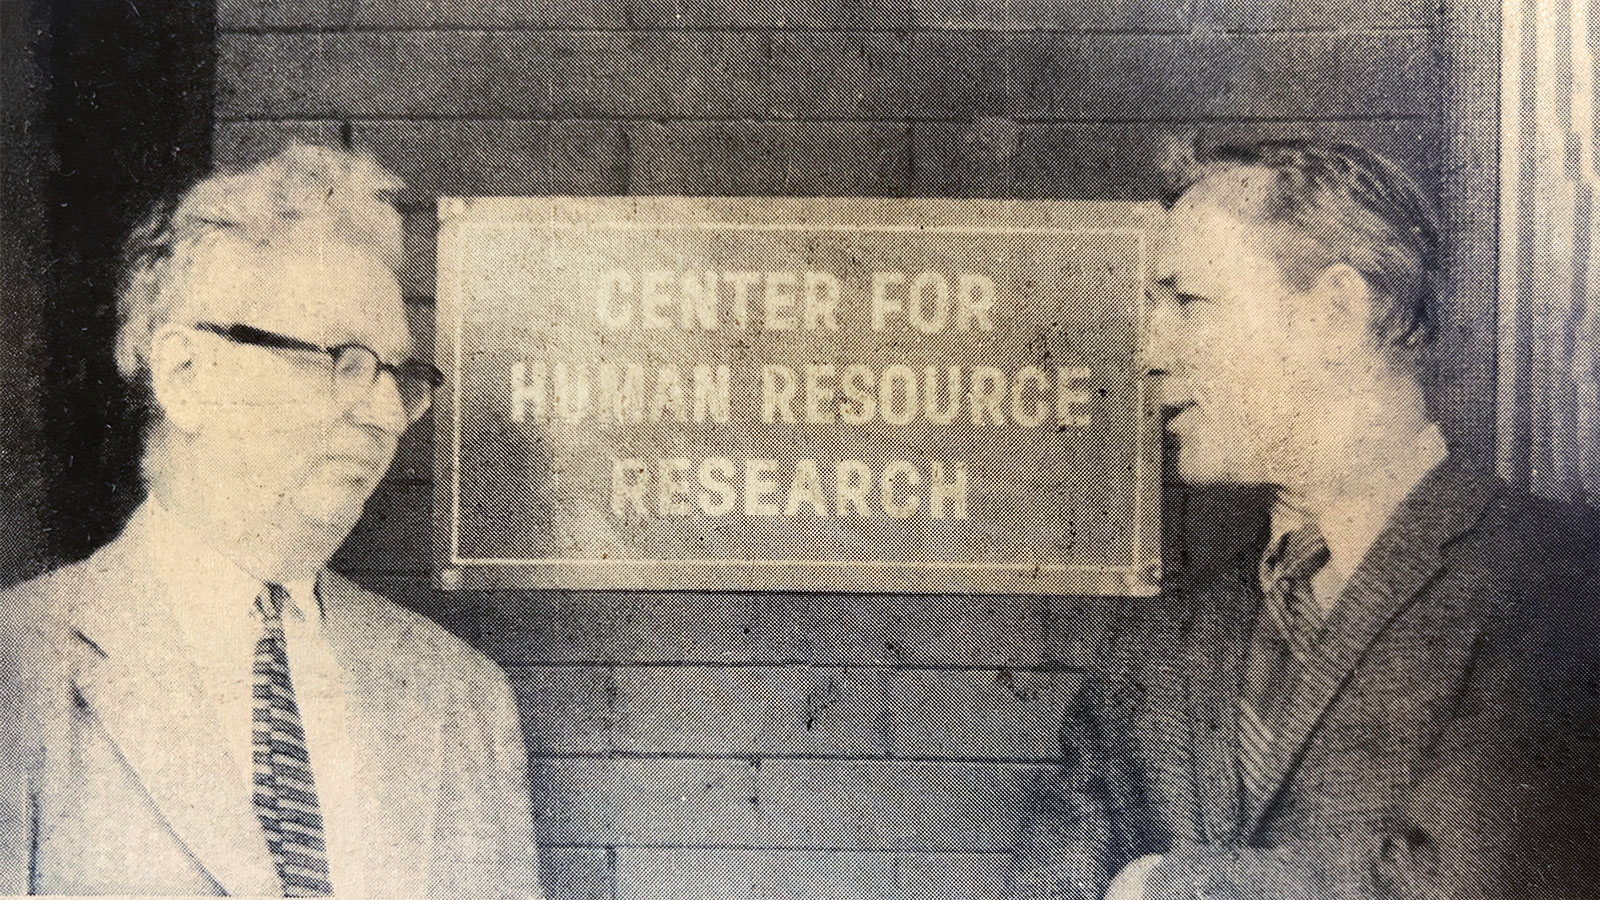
(113, 111)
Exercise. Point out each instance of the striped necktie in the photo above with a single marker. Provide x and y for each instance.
(1283, 650)
(285, 794)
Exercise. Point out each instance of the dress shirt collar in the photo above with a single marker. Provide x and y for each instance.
(192, 568)
(1351, 528)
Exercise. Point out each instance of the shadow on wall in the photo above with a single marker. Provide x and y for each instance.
(128, 109)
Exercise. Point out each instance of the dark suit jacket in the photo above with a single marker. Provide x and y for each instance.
(113, 778)
(1451, 751)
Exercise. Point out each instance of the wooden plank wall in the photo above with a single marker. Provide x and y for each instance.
(784, 745)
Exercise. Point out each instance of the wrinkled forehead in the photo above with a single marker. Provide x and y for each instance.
(322, 291)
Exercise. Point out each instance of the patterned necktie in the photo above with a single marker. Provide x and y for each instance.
(285, 795)
(1283, 650)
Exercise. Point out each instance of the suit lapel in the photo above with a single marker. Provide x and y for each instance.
(143, 692)
(395, 731)
(1405, 558)
(383, 689)
(1221, 621)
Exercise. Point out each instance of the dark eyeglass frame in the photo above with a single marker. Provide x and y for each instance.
(412, 371)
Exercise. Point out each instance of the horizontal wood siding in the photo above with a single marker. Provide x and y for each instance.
(784, 745)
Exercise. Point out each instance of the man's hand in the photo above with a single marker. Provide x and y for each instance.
(1129, 883)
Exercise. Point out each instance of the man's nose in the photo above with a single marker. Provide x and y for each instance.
(1160, 334)
(382, 407)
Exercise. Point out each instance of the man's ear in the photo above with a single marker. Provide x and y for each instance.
(175, 376)
(1346, 294)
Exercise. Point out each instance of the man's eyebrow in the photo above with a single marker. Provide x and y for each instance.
(1170, 282)
(399, 351)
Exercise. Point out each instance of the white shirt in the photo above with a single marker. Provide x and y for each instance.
(220, 626)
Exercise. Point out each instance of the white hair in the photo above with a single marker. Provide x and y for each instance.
(303, 193)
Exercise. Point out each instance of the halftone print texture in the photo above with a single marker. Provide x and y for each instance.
(813, 744)
(925, 738)
(855, 395)
(285, 788)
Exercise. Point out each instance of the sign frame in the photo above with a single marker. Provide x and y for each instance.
(452, 571)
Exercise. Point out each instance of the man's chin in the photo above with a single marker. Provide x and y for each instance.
(1197, 470)
(330, 516)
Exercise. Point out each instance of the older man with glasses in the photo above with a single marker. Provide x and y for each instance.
(201, 707)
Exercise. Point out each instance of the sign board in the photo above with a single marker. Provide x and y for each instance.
(783, 394)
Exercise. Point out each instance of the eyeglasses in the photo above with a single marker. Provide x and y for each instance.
(355, 367)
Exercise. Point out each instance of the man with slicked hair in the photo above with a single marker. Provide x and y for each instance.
(202, 707)
(1396, 693)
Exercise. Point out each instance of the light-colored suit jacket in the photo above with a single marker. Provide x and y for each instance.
(113, 778)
